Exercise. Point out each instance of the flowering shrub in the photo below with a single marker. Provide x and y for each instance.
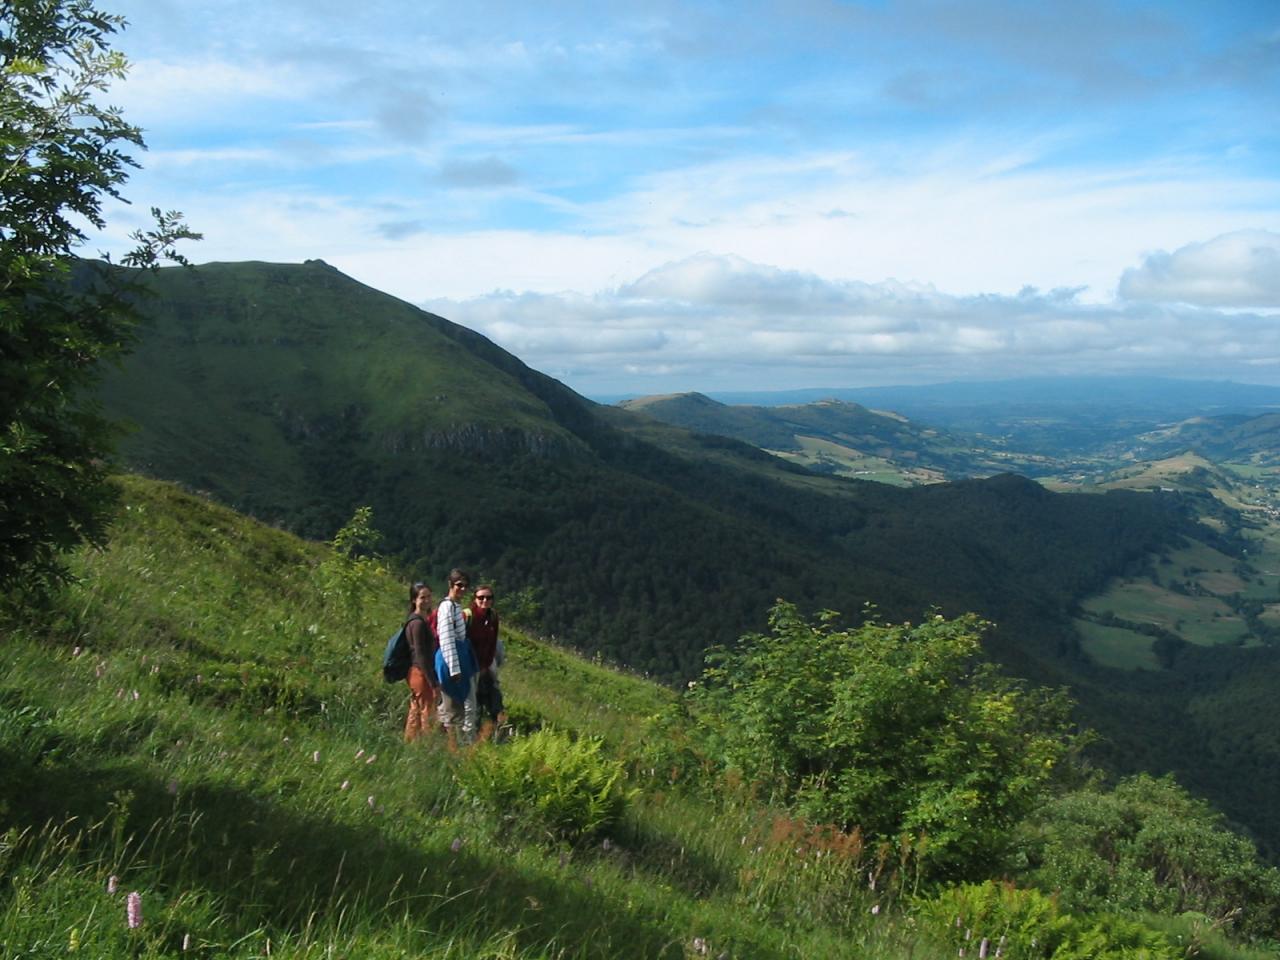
(562, 785)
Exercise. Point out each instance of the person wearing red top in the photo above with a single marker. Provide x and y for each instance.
(482, 631)
(422, 673)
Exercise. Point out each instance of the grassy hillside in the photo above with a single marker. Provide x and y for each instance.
(192, 722)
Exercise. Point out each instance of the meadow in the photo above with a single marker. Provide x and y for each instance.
(196, 723)
(202, 760)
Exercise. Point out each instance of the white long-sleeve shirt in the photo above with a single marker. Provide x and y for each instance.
(452, 627)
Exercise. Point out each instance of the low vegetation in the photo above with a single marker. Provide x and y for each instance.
(201, 759)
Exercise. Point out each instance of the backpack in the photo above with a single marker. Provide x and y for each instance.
(397, 657)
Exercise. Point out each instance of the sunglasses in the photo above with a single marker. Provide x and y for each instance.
(484, 596)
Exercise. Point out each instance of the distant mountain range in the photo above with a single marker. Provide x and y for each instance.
(1060, 417)
(297, 394)
(843, 438)
(1061, 432)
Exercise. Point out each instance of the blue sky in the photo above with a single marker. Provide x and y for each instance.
(648, 197)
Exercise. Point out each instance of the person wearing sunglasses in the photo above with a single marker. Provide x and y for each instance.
(456, 664)
(482, 631)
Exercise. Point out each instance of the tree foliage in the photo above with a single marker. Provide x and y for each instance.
(899, 729)
(1150, 845)
(62, 155)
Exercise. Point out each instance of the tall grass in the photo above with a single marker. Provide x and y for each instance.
(192, 722)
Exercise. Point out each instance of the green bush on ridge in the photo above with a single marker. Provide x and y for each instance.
(901, 730)
(1147, 844)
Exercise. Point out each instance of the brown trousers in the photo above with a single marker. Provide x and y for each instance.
(422, 701)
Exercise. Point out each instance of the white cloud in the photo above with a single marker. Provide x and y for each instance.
(163, 92)
(725, 314)
(1240, 269)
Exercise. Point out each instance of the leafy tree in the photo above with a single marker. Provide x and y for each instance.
(62, 154)
(901, 730)
(1150, 845)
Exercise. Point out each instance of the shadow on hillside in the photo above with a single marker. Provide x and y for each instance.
(666, 860)
(273, 868)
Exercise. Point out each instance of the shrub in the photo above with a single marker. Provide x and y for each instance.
(900, 730)
(562, 785)
(1150, 845)
(1018, 923)
(998, 919)
(1109, 937)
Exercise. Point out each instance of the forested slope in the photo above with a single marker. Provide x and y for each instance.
(296, 394)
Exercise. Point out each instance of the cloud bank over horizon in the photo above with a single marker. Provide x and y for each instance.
(746, 325)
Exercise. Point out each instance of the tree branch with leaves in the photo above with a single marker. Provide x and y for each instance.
(62, 155)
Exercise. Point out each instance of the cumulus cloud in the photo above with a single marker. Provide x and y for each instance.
(1240, 269)
(760, 326)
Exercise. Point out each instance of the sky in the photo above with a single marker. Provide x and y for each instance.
(655, 196)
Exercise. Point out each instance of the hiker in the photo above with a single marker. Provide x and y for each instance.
(456, 664)
(423, 685)
(482, 631)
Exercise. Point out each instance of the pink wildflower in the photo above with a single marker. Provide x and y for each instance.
(372, 757)
(456, 845)
(133, 909)
(345, 784)
(186, 942)
(982, 948)
(315, 757)
(360, 753)
(113, 883)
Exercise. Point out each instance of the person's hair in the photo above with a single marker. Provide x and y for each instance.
(483, 586)
(417, 587)
(457, 576)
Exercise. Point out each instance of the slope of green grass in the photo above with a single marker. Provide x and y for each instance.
(193, 720)
(194, 723)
